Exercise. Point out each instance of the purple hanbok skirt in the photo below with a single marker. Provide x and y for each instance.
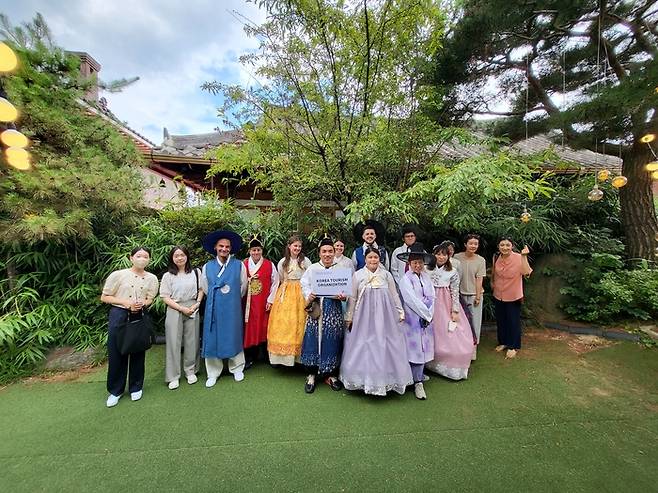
(374, 352)
(452, 350)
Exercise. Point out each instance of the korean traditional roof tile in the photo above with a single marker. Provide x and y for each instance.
(197, 145)
(571, 159)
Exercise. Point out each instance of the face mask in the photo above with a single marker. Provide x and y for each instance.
(140, 263)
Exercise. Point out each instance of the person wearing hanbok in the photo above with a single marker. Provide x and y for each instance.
(409, 237)
(224, 280)
(370, 232)
(454, 339)
(263, 281)
(323, 336)
(418, 299)
(285, 328)
(342, 261)
(456, 263)
(374, 351)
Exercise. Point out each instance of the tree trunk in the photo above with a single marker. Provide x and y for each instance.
(637, 209)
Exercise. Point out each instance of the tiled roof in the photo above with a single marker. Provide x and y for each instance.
(197, 145)
(571, 158)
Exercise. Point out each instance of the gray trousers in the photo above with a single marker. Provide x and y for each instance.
(181, 330)
(474, 313)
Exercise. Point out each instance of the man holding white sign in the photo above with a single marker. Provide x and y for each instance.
(324, 285)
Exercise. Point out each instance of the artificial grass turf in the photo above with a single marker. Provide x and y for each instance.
(551, 420)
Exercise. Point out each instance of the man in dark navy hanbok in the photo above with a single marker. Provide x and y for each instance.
(224, 279)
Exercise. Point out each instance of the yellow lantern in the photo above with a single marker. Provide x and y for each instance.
(603, 175)
(525, 217)
(652, 166)
(595, 194)
(18, 158)
(645, 139)
(13, 138)
(8, 60)
(654, 175)
(619, 181)
(7, 111)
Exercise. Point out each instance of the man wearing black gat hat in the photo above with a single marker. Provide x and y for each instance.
(224, 279)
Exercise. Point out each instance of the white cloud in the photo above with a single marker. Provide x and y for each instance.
(172, 46)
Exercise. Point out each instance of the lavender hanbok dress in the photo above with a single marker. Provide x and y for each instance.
(418, 297)
(452, 349)
(374, 352)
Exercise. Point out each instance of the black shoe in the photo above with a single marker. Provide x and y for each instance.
(309, 388)
(334, 383)
(248, 364)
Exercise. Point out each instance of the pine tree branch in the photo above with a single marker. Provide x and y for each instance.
(636, 29)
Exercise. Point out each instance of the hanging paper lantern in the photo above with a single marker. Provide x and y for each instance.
(652, 166)
(595, 194)
(13, 138)
(7, 111)
(645, 139)
(619, 181)
(18, 158)
(8, 60)
(603, 175)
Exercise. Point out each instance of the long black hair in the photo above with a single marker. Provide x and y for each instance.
(172, 268)
(441, 248)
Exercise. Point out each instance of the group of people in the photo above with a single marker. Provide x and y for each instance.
(407, 312)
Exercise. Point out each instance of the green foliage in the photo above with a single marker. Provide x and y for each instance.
(85, 174)
(582, 70)
(52, 301)
(603, 289)
(60, 219)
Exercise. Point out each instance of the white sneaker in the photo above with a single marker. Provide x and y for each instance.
(419, 390)
(238, 376)
(173, 384)
(425, 377)
(192, 379)
(135, 396)
(112, 400)
(211, 382)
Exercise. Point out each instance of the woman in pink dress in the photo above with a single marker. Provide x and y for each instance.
(453, 338)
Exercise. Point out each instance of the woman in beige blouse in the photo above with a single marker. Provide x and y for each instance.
(181, 291)
(128, 291)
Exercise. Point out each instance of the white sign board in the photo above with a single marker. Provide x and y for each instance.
(331, 282)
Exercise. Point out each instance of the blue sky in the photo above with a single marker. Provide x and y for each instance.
(173, 46)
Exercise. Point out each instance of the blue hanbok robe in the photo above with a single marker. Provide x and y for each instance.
(322, 345)
(223, 320)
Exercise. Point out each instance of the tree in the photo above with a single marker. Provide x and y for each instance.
(85, 176)
(60, 220)
(338, 115)
(585, 69)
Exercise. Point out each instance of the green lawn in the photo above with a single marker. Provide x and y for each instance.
(551, 420)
